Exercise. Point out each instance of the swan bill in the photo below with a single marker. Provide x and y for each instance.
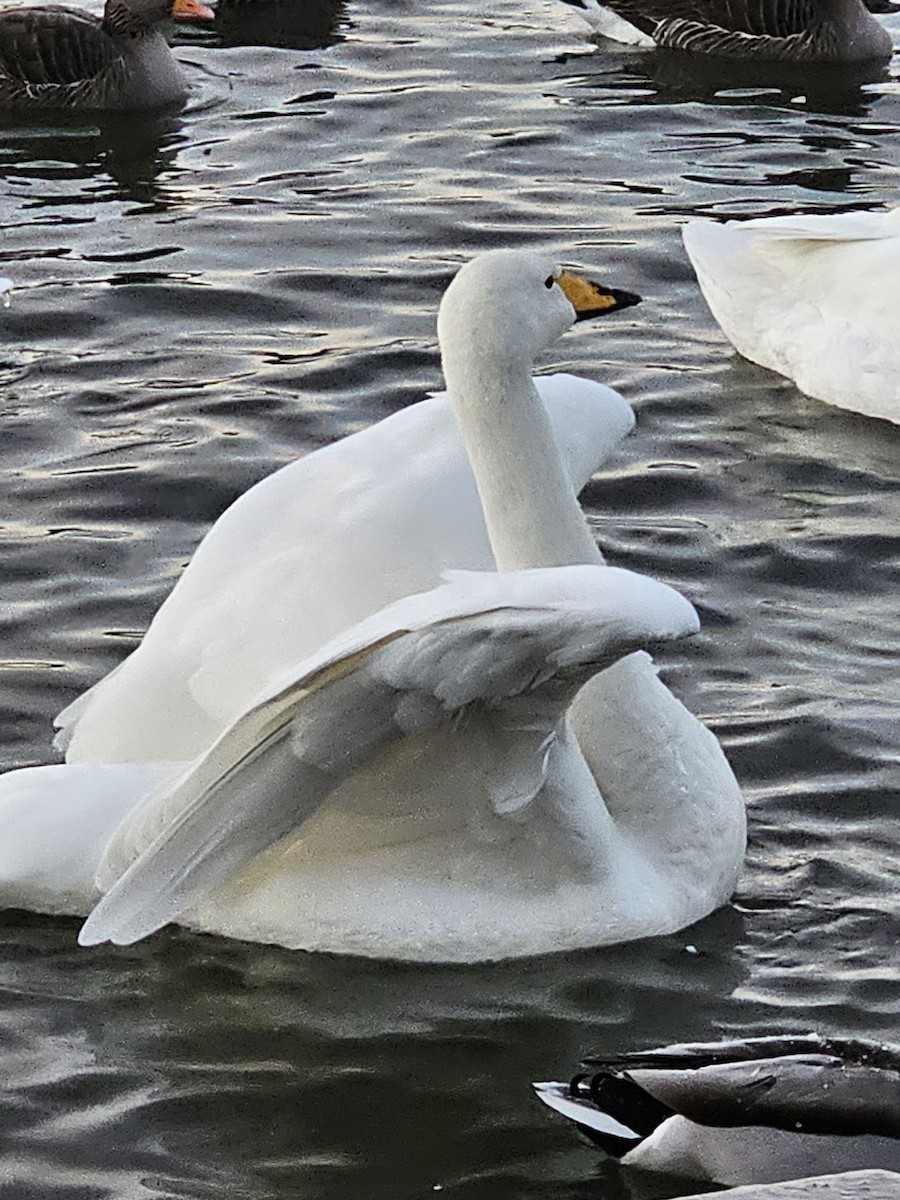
(593, 299)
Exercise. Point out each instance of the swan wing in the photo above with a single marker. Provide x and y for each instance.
(832, 227)
(512, 648)
(812, 298)
(334, 536)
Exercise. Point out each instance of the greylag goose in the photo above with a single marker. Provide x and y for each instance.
(813, 297)
(59, 58)
(808, 31)
(755, 1111)
(385, 763)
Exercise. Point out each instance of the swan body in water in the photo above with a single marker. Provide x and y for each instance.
(812, 297)
(349, 753)
(761, 1110)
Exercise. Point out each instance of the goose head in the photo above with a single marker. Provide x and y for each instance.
(509, 306)
(134, 16)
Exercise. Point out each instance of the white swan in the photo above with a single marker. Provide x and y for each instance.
(829, 31)
(755, 1111)
(402, 834)
(812, 297)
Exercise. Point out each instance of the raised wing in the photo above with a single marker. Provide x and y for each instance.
(53, 46)
(499, 654)
(336, 536)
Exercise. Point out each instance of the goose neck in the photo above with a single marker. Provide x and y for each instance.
(120, 20)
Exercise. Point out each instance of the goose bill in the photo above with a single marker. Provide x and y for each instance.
(593, 299)
(191, 10)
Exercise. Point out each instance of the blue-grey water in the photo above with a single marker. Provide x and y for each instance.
(202, 297)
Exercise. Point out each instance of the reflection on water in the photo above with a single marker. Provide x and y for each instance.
(203, 296)
(667, 77)
(46, 162)
(312, 25)
(208, 1062)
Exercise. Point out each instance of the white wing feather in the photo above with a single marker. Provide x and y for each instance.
(512, 647)
(299, 542)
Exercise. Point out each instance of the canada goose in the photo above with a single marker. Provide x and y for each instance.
(754, 1111)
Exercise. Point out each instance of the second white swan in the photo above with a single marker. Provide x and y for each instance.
(812, 297)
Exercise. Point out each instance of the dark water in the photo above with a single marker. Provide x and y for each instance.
(201, 298)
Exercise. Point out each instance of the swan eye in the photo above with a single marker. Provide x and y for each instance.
(549, 281)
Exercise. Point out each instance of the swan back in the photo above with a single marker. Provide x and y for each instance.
(311, 549)
(814, 298)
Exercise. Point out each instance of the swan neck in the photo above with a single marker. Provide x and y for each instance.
(530, 509)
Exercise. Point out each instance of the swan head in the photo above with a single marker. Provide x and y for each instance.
(511, 305)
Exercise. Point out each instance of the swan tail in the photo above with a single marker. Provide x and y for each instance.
(748, 292)
(515, 646)
(56, 822)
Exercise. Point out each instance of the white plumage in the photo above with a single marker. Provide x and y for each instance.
(420, 780)
(305, 553)
(813, 297)
(479, 673)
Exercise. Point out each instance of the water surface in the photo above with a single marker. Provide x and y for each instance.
(204, 296)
